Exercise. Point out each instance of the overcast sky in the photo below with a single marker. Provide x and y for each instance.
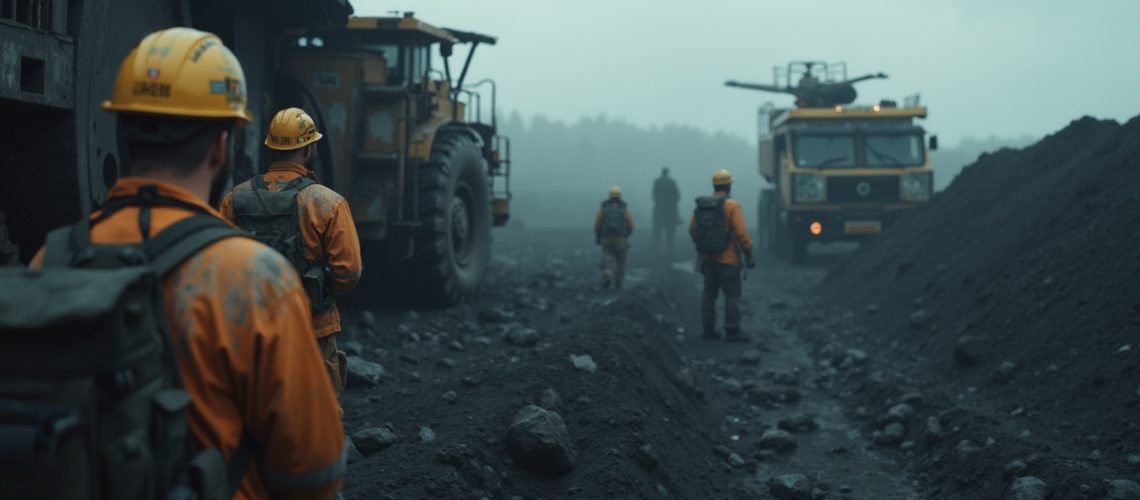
(983, 67)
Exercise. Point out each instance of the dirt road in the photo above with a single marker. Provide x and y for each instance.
(660, 414)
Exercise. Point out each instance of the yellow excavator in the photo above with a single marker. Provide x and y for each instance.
(412, 146)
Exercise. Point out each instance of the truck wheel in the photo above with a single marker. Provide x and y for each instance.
(453, 244)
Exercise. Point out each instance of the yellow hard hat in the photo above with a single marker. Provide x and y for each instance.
(615, 192)
(181, 72)
(291, 128)
(722, 177)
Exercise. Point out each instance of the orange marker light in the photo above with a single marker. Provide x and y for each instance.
(875, 108)
(816, 228)
(839, 109)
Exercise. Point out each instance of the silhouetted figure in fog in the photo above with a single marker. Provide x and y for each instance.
(666, 217)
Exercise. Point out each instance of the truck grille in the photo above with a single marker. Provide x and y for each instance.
(862, 189)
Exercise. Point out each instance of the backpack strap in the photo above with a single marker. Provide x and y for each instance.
(183, 239)
(300, 183)
(58, 247)
(167, 250)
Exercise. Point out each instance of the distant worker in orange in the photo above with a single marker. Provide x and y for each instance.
(311, 225)
(238, 319)
(721, 237)
(612, 227)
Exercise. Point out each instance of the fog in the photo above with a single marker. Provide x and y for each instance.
(992, 74)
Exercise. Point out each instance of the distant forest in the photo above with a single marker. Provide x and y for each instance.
(562, 170)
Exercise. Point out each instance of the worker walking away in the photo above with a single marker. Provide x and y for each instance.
(721, 237)
(161, 352)
(311, 225)
(666, 214)
(612, 227)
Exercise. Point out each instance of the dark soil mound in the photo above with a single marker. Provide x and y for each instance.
(633, 420)
(1012, 299)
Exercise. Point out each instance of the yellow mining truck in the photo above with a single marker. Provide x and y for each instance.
(838, 171)
(410, 144)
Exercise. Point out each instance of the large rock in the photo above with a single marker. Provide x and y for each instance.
(790, 487)
(1028, 488)
(900, 413)
(351, 347)
(918, 319)
(369, 441)
(933, 431)
(891, 435)
(426, 434)
(522, 337)
(537, 441)
(798, 422)
(352, 453)
(1122, 489)
(1004, 372)
(777, 440)
(969, 349)
(495, 315)
(362, 372)
(584, 362)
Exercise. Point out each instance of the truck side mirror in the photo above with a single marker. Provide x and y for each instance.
(445, 49)
(933, 143)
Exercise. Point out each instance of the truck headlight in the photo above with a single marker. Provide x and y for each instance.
(915, 186)
(809, 188)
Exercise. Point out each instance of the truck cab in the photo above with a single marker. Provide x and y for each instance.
(838, 170)
(841, 173)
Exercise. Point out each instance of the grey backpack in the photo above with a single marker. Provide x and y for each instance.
(710, 235)
(613, 218)
(91, 404)
(271, 217)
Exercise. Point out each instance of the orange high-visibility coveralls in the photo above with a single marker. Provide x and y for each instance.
(326, 227)
(242, 332)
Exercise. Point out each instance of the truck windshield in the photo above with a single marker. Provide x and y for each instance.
(898, 150)
(825, 151)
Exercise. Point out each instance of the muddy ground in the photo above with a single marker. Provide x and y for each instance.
(665, 415)
(987, 346)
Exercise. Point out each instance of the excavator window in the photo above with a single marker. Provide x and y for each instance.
(391, 55)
